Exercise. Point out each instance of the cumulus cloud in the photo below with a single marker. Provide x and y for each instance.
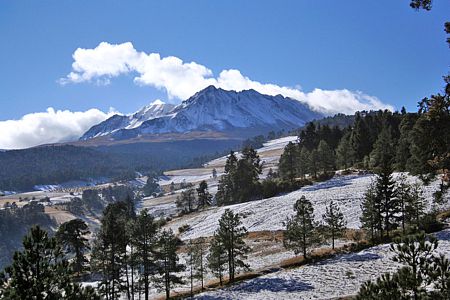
(48, 127)
(181, 80)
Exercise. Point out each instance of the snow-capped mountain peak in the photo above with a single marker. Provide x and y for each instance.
(212, 109)
(156, 109)
(118, 122)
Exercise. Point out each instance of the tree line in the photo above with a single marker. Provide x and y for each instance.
(418, 143)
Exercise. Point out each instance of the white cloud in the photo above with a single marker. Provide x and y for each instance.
(48, 127)
(181, 80)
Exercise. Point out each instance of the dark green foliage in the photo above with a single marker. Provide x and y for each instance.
(303, 165)
(403, 153)
(424, 275)
(411, 203)
(151, 187)
(144, 240)
(383, 153)
(308, 137)
(371, 213)
(71, 236)
(387, 200)
(326, 157)
(226, 189)
(429, 223)
(203, 196)
(109, 251)
(58, 164)
(421, 4)
(313, 163)
(431, 138)
(230, 240)
(217, 258)
(301, 231)
(186, 201)
(197, 261)
(40, 271)
(167, 261)
(360, 138)
(345, 155)
(246, 180)
(334, 222)
(288, 164)
(255, 142)
(14, 224)
(240, 183)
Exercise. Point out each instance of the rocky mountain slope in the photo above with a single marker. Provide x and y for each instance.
(243, 114)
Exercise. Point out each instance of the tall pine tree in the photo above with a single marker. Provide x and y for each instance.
(231, 235)
(301, 233)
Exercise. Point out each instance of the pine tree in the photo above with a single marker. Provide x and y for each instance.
(203, 196)
(325, 157)
(246, 178)
(313, 162)
(217, 257)
(40, 271)
(301, 233)
(303, 162)
(411, 202)
(386, 195)
(440, 274)
(226, 189)
(430, 148)
(197, 261)
(360, 139)
(308, 137)
(231, 234)
(72, 236)
(403, 153)
(345, 153)
(334, 222)
(383, 153)
(423, 275)
(371, 218)
(186, 201)
(151, 186)
(167, 262)
(416, 252)
(109, 252)
(288, 164)
(144, 238)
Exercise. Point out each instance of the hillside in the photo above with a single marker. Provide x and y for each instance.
(56, 164)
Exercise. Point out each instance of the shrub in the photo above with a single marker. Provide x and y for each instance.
(429, 223)
(184, 228)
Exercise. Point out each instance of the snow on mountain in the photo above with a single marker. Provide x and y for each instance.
(118, 122)
(212, 109)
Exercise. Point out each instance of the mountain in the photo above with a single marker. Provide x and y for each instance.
(118, 122)
(242, 114)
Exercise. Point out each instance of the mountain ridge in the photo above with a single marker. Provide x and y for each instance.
(212, 109)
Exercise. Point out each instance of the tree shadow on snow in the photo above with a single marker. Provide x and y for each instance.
(334, 182)
(273, 285)
(443, 235)
(360, 257)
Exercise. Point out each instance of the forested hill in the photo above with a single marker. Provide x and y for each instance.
(22, 169)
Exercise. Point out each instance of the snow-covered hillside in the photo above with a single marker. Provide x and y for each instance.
(269, 214)
(245, 113)
(336, 277)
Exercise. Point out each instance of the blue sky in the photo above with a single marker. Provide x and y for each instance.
(381, 48)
